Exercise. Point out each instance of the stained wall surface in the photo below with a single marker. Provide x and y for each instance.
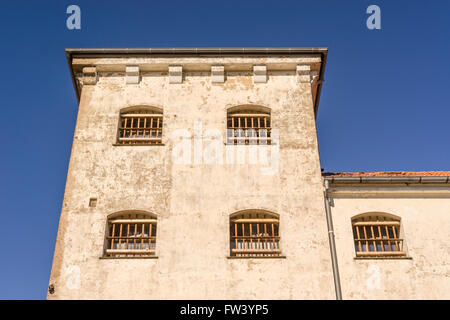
(193, 200)
(425, 272)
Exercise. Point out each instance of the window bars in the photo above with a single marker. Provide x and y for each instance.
(253, 235)
(140, 128)
(248, 128)
(131, 236)
(377, 236)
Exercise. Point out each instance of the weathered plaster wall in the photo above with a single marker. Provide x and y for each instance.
(425, 225)
(192, 201)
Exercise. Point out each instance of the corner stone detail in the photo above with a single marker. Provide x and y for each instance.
(89, 75)
(304, 73)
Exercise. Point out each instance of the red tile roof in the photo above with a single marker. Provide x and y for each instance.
(388, 174)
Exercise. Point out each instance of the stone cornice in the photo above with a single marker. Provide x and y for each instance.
(217, 61)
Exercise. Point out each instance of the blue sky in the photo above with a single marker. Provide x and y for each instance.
(384, 105)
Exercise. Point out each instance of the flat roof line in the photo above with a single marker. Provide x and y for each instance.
(193, 50)
(70, 52)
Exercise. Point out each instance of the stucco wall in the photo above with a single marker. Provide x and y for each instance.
(425, 224)
(192, 201)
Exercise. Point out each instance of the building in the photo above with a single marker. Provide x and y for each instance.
(195, 174)
(412, 207)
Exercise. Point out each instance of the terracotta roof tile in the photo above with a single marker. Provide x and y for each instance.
(388, 174)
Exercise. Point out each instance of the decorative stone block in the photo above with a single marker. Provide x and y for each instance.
(132, 74)
(89, 75)
(217, 74)
(175, 74)
(303, 72)
(259, 74)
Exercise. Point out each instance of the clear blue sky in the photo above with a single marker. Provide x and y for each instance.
(384, 105)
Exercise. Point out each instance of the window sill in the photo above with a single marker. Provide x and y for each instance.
(114, 258)
(260, 257)
(383, 258)
(138, 145)
(243, 144)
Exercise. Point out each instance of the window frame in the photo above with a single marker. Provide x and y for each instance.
(140, 135)
(143, 223)
(251, 132)
(375, 235)
(243, 224)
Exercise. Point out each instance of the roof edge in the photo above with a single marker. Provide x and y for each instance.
(194, 50)
(323, 51)
(392, 177)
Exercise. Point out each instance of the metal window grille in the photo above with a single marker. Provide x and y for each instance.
(377, 236)
(131, 236)
(141, 128)
(254, 234)
(248, 128)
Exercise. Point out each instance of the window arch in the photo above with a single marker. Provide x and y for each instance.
(254, 233)
(131, 234)
(248, 124)
(140, 125)
(377, 234)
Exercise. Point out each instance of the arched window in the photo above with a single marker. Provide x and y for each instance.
(248, 125)
(254, 233)
(377, 235)
(131, 234)
(140, 125)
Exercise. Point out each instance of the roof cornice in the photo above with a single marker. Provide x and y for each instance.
(96, 52)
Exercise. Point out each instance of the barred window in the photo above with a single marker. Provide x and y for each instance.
(131, 235)
(140, 126)
(249, 126)
(377, 236)
(254, 234)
